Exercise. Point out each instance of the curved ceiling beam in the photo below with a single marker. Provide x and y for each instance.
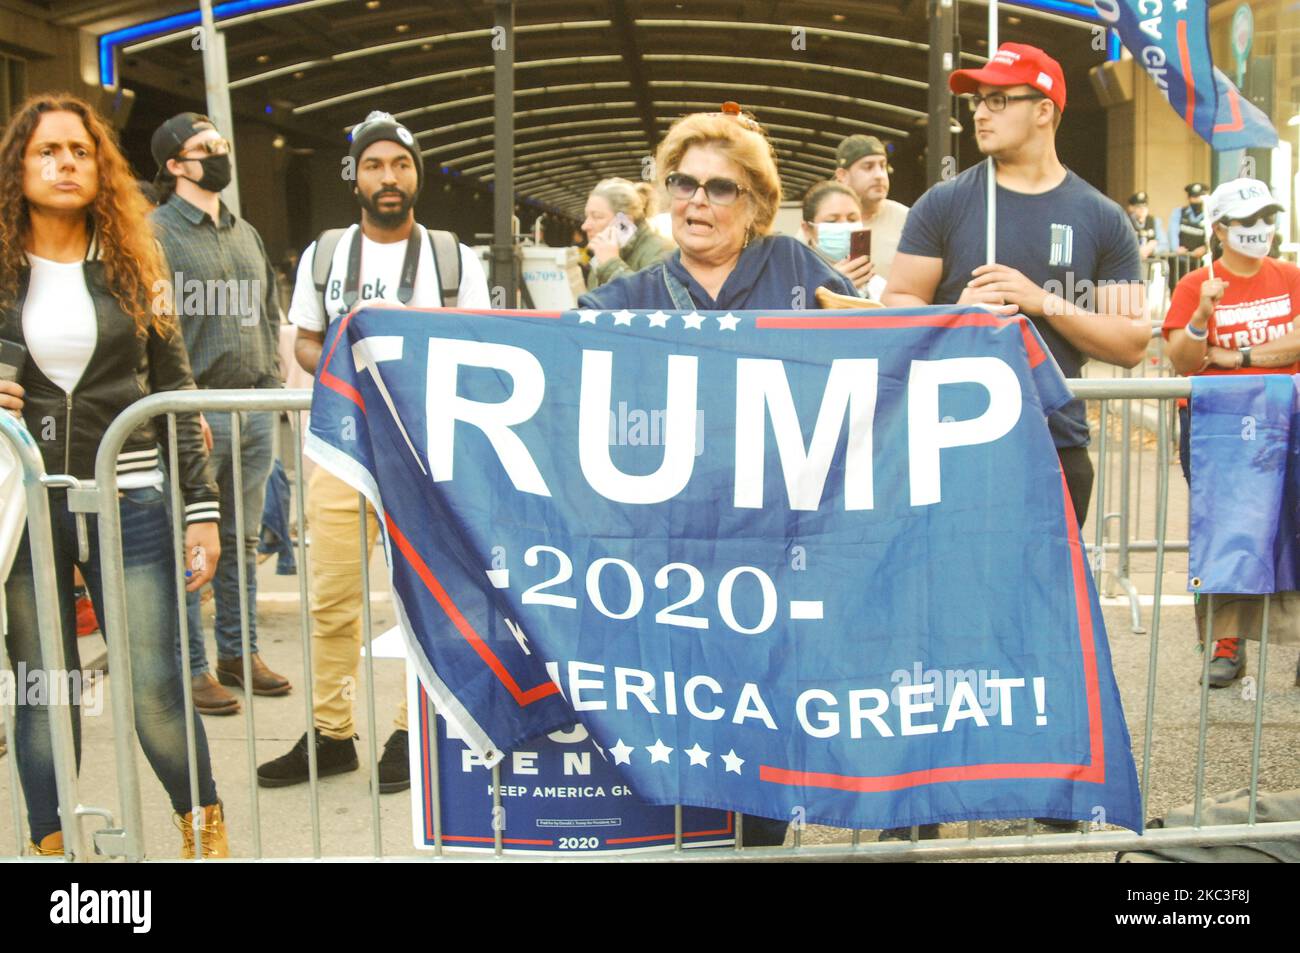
(429, 39)
(570, 156)
(792, 64)
(486, 98)
(758, 109)
(597, 138)
(623, 155)
(429, 78)
(732, 27)
(782, 91)
(524, 153)
(527, 113)
(532, 130)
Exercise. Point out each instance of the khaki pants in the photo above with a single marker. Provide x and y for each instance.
(333, 515)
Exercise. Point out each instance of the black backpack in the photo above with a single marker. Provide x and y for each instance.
(446, 259)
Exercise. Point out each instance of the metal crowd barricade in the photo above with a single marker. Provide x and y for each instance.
(36, 484)
(129, 843)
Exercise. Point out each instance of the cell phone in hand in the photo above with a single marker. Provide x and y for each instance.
(623, 228)
(860, 243)
(12, 358)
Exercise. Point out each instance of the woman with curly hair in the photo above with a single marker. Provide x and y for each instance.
(80, 281)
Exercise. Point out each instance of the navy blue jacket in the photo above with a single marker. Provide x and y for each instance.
(775, 272)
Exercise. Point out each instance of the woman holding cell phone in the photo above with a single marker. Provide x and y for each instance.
(618, 231)
(80, 274)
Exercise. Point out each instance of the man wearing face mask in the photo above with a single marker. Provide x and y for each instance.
(224, 294)
(1237, 319)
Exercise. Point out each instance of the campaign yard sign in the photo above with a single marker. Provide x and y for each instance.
(728, 545)
(556, 793)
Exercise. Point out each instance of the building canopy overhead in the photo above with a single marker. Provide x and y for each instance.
(597, 82)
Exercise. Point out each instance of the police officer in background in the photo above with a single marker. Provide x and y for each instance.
(1188, 237)
(1150, 233)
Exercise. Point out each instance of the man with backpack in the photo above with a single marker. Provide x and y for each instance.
(387, 259)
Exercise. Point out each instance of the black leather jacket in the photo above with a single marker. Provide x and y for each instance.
(122, 369)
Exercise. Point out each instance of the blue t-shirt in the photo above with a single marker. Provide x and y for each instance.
(1069, 241)
(774, 272)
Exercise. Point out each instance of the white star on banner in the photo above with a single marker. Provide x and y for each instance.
(658, 320)
(732, 761)
(659, 752)
(587, 317)
(728, 322)
(623, 318)
(693, 320)
(622, 753)
(698, 755)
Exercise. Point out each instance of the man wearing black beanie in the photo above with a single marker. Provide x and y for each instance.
(391, 260)
(389, 206)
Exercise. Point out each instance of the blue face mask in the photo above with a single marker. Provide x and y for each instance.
(833, 238)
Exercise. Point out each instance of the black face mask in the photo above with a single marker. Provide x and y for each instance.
(216, 173)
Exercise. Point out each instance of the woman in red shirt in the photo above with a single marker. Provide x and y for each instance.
(1235, 317)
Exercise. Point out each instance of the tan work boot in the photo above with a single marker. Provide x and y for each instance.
(265, 681)
(51, 845)
(210, 698)
(212, 833)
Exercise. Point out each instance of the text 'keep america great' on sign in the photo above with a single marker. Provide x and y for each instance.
(717, 539)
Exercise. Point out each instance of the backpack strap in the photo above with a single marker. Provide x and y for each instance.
(322, 260)
(446, 260)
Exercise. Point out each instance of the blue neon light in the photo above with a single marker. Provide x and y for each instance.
(1084, 10)
(1115, 47)
(141, 31)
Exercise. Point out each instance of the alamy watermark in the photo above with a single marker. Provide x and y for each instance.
(39, 687)
(213, 297)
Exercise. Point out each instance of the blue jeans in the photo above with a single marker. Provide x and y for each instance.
(153, 622)
(275, 523)
(256, 457)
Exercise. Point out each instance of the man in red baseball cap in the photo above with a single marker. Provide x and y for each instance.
(1066, 256)
(1015, 64)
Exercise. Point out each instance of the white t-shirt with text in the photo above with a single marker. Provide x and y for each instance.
(381, 272)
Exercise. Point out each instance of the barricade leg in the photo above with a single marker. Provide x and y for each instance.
(304, 632)
(51, 623)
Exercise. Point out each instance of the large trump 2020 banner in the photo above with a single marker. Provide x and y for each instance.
(817, 566)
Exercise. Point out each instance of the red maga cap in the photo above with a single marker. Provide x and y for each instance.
(1012, 65)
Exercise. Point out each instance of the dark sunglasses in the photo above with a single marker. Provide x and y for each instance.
(719, 191)
(209, 147)
(1268, 218)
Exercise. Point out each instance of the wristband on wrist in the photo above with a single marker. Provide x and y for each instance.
(1245, 356)
(1197, 335)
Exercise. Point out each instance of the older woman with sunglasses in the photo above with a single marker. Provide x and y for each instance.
(1235, 317)
(721, 175)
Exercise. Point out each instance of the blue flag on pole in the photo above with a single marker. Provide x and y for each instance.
(1171, 41)
(797, 565)
(1245, 504)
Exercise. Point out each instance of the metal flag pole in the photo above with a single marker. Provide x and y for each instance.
(991, 200)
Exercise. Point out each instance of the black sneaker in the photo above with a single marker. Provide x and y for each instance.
(394, 768)
(926, 832)
(333, 756)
